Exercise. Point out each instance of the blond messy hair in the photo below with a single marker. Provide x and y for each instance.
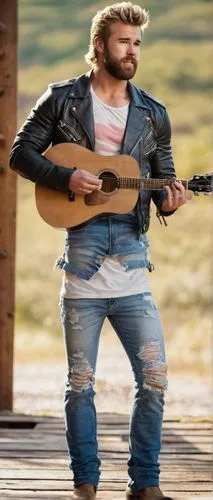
(125, 12)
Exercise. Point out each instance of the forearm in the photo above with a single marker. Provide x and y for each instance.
(32, 165)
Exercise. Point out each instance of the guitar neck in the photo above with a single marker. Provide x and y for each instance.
(152, 184)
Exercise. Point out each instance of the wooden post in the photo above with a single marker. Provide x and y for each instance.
(8, 86)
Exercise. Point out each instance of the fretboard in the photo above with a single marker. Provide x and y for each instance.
(134, 183)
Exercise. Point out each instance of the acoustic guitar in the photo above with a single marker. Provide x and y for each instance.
(121, 183)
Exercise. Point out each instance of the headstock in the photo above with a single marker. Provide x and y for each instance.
(201, 184)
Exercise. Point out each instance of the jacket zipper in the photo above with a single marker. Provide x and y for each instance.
(135, 146)
(153, 147)
(71, 134)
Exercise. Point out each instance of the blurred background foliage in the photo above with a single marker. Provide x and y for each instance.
(176, 66)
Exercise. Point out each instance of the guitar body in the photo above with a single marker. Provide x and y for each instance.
(54, 206)
(121, 183)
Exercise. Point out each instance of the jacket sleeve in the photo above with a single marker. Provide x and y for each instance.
(32, 140)
(162, 161)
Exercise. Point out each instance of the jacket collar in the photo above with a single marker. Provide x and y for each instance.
(81, 89)
(81, 86)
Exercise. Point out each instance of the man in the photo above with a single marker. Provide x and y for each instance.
(105, 260)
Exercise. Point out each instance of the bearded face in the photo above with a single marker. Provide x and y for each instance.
(123, 68)
(120, 50)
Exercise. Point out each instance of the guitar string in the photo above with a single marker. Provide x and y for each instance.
(129, 182)
(138, 179)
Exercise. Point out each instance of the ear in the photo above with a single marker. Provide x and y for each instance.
(99, 44)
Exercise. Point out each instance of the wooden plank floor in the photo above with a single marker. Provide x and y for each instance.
(34, 459)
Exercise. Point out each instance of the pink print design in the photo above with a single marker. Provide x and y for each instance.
(109, 133)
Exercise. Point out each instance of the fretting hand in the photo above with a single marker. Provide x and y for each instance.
(177, 195)
(82, 182)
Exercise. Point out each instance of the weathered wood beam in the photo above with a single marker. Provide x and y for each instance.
(8, 86)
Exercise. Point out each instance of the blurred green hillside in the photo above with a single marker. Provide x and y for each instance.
(176, 62)
(176, 66)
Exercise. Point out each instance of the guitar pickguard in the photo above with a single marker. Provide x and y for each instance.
(96, 198)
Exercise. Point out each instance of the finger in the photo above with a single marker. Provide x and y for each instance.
(179, 186)
(92, 179)
(92, 187)
(169, 196)
(180, 195)
(86, 191)
(85, 176)
(175, 195)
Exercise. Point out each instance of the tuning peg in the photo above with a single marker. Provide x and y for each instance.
(196, 177)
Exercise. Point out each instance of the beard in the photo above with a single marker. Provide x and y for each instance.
(117, 68)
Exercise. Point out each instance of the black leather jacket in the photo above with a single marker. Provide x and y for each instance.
(64, 114)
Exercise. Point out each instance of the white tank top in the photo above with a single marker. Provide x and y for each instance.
(111, 280)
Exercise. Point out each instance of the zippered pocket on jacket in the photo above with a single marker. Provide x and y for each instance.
(68, 132)
(149, 145)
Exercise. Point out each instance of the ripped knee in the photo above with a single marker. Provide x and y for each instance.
(154, 370)
(155, 377)
(80, 376)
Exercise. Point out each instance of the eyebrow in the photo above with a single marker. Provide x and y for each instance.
(127, 39)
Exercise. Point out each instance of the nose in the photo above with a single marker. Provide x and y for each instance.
(131, 49)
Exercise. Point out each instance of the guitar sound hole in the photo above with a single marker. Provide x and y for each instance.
(110, 182)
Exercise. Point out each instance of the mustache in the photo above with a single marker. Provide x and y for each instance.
(129, 59)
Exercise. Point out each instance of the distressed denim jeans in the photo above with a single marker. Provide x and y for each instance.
(136, 321)
(86, 247)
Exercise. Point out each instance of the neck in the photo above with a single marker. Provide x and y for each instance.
(106, 85)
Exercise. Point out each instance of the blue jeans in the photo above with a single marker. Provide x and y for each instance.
(136, 321)
(86, 247)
